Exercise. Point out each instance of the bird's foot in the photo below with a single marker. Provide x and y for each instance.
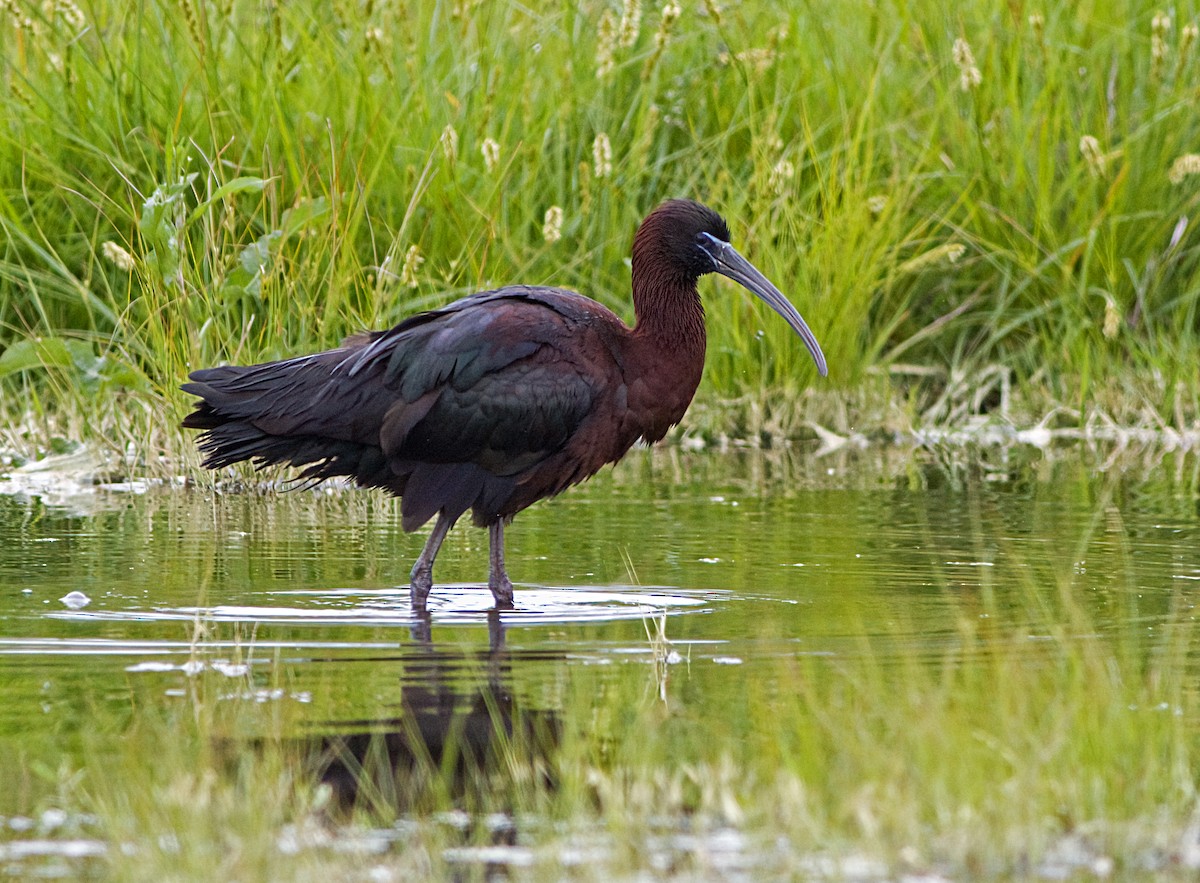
(502, 591)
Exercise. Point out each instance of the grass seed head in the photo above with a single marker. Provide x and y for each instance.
(631, 23)
(948, 253)
(19, 20)
(552, 225)
(1089, 146)
(1187, 38)
(1188, 164)
(71, 15)
(756, 58)
(969, 75)
(781, 173)
(491, 154)
(1159, 50)
(449, 142)
(412, 263)
(670, 14)
(1112, 320)
(116, 255)
(606, 44)
(602, 156)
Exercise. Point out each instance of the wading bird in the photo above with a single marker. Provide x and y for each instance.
(494, 402)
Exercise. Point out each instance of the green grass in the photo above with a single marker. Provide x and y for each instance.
(268, 169)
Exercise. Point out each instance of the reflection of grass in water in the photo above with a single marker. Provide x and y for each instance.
(662, 652)
(219, 789)
(1028, 727)
(1043, 709)
(1043, 715)
(978, 756)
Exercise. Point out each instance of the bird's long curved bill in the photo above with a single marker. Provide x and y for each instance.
(734, 266)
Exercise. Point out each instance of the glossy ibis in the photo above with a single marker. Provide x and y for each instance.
(496, 401)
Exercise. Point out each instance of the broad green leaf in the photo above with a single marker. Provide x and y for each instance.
(161, 225)
(36, 353)
(241, 184)
(301, 215)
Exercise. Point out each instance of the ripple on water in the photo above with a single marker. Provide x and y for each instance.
(449, 605)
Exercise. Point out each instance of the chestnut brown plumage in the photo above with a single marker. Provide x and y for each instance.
(494, 402)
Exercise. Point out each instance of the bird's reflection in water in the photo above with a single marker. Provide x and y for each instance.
(459, 736)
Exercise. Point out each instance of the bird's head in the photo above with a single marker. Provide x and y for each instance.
(683, 240)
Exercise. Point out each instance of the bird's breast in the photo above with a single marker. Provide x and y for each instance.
(659, 395)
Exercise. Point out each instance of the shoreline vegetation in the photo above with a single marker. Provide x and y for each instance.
(867, 424)
(988, 215)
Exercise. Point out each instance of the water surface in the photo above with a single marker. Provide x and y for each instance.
(720, 588)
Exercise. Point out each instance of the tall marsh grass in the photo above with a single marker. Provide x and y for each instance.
(990, 190)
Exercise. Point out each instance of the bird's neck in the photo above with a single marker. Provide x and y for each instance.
(669, 314)
(667, 344)
(668, 351)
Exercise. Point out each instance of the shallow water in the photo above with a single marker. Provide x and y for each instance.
(697, 578)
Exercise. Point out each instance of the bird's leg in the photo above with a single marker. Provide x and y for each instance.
(495, 633)
(422, 571)
(422, 628)
(498, 581)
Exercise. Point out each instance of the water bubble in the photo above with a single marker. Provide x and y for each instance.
(75, 600)
(53, 818)
(231, 669)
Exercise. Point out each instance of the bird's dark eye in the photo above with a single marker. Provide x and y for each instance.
(711, 248)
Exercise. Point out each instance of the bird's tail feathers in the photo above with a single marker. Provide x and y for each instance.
(236, 441)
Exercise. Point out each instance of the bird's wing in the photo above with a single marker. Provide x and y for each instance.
(497, 379)
(500, 382)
